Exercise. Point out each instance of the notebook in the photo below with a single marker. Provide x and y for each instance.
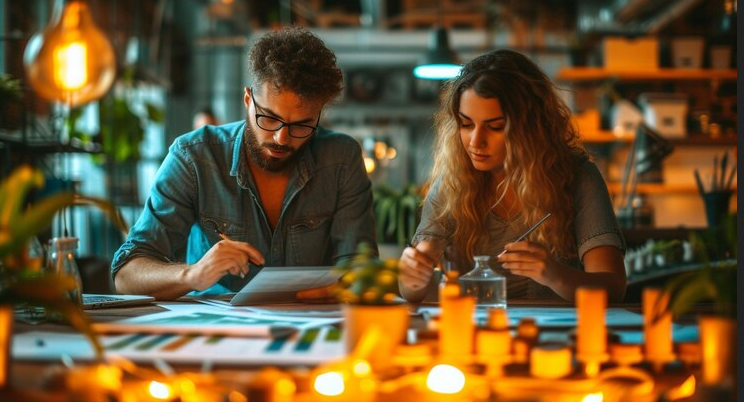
(93, 301)
(280, 284)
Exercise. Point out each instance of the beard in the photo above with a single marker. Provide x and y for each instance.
(268, 162)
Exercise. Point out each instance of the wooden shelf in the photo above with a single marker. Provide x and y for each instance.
(604, 137)
(600, 137)
(659, 188)
(679, 74)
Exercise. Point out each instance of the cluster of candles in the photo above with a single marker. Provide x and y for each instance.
(463, 362)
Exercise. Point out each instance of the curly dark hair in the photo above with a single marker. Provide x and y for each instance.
(297, 60)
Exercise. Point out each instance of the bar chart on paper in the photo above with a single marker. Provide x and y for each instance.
(309, 346)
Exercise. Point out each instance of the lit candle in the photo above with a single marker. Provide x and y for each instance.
(626, 354)
(273, 385)
(493, 349)
(498, 318)
(657, 327)
(456, 326)
(348, 380)
(550, 361)
(98, 381)
(591, 331)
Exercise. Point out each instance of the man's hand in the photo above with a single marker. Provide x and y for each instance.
(225, 257)
(323, 294)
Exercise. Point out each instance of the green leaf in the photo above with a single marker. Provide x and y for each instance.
(13, 192)
(154, 113)
(36, 219)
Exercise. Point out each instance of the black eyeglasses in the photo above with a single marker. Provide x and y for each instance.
(270, 123)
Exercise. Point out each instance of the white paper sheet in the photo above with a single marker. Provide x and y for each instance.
(207, 320)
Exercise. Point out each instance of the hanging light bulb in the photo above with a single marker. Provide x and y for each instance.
(71, 60)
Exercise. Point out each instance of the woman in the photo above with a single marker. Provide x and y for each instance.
(506, 154)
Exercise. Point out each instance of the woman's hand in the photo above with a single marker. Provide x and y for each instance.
(532, 260)
(603, 268)
(416, 268)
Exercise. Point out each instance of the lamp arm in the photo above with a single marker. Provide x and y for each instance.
(628, 178)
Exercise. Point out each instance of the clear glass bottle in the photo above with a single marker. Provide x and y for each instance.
(488, 287)
(36, 254)
(62, 261)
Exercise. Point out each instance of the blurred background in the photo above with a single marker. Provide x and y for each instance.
(668, 65)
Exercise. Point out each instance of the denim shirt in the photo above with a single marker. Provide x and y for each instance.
(205, 183)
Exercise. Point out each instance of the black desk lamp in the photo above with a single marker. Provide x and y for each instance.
(645, 156)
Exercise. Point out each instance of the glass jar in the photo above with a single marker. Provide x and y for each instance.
(35, 254)
(62, 261)
(487, 286)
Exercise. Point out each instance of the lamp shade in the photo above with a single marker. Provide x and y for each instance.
(71, 60)
(439, 62)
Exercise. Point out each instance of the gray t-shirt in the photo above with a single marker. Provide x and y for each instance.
(595, 225)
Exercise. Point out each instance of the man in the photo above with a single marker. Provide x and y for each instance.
(205, 117)
(274, 189)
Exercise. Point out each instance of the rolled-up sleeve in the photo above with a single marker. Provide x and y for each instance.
(595, 223)
(162, 231)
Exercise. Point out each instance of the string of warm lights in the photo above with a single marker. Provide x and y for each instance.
(490, 365)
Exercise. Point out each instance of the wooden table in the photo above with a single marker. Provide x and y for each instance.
(41, 381)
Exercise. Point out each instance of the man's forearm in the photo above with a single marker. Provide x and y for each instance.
(164, 281)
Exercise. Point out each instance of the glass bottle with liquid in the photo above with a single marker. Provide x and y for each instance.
(488, 287)
(62, 261)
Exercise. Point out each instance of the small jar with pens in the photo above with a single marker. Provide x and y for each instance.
(717, 191)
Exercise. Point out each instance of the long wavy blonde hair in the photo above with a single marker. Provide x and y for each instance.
(543, 151)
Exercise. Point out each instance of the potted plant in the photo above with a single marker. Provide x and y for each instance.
(715, 284)
(368, 288)
(397, 214)
(22, 281)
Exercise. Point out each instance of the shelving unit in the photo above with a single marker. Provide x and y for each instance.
(577, 74)
(676, 201)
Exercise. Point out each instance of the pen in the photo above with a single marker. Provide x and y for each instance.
(527, 233)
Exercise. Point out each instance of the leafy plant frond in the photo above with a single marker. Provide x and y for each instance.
(397, 213)
(20, 282)
(715, 282)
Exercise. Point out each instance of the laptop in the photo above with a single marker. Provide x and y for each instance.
(93, 301)
(280, 284)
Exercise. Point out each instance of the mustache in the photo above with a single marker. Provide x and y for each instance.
(277, 147)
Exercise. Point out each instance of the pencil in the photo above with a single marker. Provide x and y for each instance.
(527, 233)
(699, 181)
(730, 179)
(724, 163)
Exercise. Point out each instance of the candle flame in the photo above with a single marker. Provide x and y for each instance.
(329, 384)
(682, 391)
(445, 379)
(159, 390)
(362, 368)
(595, 397)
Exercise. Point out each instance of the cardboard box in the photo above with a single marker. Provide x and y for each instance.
(626, 54)
(665, 112)
(687, 51)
